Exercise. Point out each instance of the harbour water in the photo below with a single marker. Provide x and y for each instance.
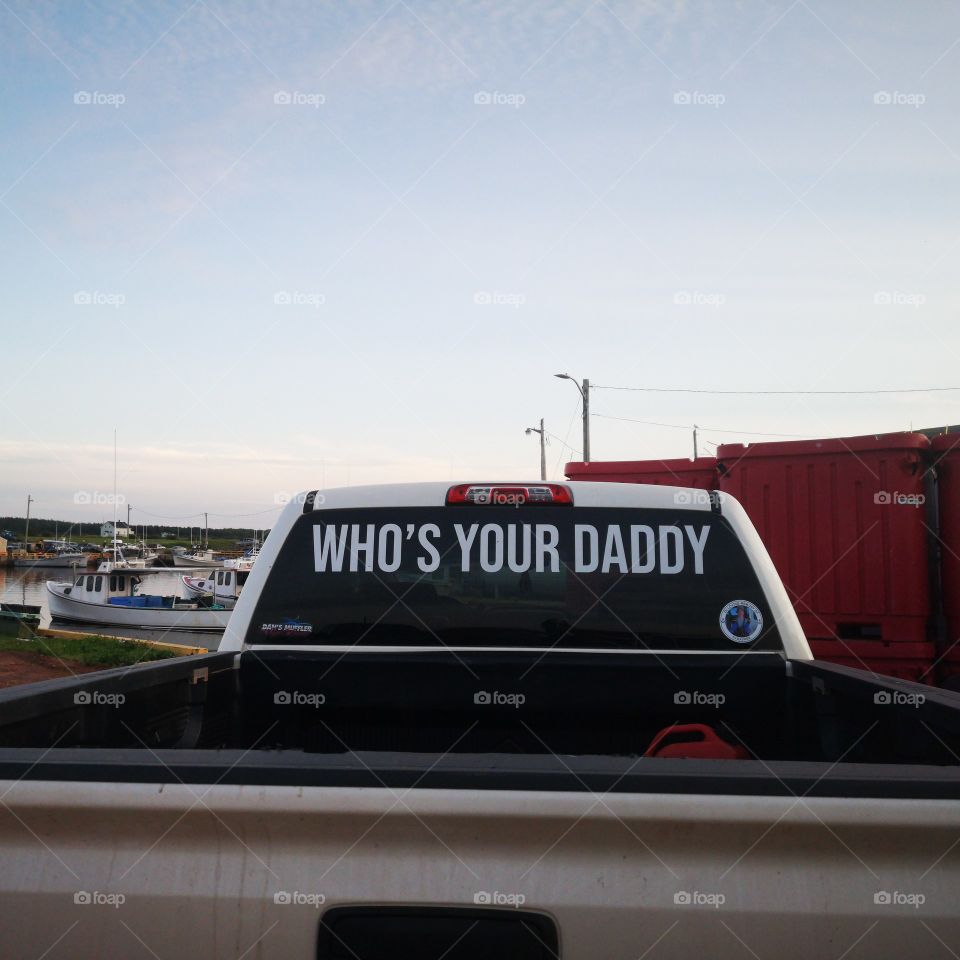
(23, 585)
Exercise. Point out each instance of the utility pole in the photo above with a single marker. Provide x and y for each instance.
(129, 508)
(26, 532)
(206, 533)
(543, 447)
(695, 429)
(585, 396)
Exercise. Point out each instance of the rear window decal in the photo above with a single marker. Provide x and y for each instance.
(741, 621)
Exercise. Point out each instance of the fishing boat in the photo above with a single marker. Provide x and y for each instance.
(111, 597)
(222, 587)
(60, 554)
(19, 620)
(199, 558)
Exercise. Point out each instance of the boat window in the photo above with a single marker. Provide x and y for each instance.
(123, 582)
(89, 583)
(98, 584)
(113, 584)
(79, 581)
(220, 578)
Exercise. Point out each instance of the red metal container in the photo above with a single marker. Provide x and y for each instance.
(700, 473)
(945, 461)
(844, 520)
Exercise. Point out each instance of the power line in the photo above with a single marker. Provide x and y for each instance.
(563, 442)
(689, 426)
(779, 392)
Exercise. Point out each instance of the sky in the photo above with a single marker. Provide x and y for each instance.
(284, 246)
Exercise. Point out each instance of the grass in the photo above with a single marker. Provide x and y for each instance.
(89, 651)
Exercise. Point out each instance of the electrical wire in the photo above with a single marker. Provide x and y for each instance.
(745, 393)
(690, 426)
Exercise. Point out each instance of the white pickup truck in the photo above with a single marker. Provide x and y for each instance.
(488, 720)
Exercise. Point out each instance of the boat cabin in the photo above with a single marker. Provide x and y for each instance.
(114, 587)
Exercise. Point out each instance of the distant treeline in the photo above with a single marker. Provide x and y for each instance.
(43, 527)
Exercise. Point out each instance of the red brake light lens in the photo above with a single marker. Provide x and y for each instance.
(510, 494)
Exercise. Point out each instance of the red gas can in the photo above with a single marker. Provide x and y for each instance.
(844, 521)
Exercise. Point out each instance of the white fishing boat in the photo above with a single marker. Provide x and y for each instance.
(199, 558)
(111, 597)
(64, 559)
(223, 587)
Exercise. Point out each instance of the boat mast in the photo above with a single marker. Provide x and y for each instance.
(26, 532)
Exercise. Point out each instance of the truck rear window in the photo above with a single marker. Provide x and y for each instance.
(490, 576)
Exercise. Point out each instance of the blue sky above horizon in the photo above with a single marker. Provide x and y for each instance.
(281, 246)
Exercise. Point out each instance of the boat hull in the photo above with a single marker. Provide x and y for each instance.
(179, 561)
(64, 607)
(64, 562)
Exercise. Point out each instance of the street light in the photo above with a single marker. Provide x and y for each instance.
(585, 395)
(543, 448)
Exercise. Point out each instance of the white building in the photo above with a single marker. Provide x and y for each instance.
(106, 530)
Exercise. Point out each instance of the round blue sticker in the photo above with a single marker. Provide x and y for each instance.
(741, 621)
